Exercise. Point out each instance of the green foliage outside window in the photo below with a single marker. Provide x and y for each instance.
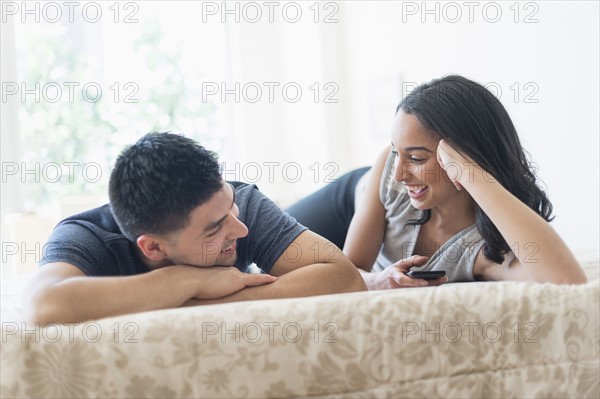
(78, 133)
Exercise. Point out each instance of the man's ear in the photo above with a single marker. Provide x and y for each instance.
(152, 247)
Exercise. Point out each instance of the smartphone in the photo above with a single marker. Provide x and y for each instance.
(426, 275)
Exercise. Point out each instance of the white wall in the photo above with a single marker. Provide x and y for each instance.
(368, 54)
(559, 54)
(378, 45)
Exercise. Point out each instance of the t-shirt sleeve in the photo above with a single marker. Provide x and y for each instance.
(77, 245)
(270, 230)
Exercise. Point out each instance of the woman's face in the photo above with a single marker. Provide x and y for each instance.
(416, 165)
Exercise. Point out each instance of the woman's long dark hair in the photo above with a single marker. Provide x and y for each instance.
(478, 126)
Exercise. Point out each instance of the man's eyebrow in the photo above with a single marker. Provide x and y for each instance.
(218, 222)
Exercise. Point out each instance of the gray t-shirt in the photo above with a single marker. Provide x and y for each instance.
(93, 242)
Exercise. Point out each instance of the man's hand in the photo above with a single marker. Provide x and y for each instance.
(314, 266)
(62, 293)
(395, 276)
(219, 281)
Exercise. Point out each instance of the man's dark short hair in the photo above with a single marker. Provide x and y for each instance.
(158, 181)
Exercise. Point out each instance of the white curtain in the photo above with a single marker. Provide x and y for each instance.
(9, 128)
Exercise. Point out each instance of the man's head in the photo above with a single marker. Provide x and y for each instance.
(167, 195)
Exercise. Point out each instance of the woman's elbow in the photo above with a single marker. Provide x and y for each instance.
(575, 278)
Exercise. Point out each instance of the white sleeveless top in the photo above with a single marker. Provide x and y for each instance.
(456, 256)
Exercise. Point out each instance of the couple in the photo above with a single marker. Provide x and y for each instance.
(454, 192)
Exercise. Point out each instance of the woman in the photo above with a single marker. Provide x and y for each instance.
(454, 191)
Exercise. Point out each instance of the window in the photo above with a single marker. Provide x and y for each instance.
(99, 77)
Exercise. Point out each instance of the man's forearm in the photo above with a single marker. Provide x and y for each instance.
(83, 298)
(317, 279)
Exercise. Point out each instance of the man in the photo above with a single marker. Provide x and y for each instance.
(176, 234)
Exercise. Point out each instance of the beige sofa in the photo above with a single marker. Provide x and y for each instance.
(461, 340)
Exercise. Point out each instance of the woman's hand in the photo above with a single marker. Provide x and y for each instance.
(459, 168)
(395, 276)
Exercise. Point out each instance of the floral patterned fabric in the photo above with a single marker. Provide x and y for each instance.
(479, 339)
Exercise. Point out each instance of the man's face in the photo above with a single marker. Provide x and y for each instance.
(210, 239)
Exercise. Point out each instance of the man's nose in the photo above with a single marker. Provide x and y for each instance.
(238, 229)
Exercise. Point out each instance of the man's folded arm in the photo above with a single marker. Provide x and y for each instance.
(311, 265)
(61, 292)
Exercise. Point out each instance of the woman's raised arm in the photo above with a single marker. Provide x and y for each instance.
(541, 255)
(365, 233)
